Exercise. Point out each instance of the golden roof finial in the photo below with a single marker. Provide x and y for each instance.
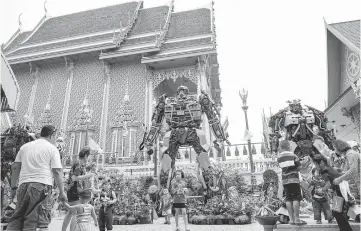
(19, 20)
(45, 10)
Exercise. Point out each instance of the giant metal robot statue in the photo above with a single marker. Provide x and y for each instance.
(301, 125)
(183, 115)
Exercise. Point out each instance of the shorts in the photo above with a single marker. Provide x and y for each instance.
(179, 205)
(73, 194)
(293, 192)
(166, 212)
(33, 209)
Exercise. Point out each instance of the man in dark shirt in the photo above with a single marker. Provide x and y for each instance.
(291, 165)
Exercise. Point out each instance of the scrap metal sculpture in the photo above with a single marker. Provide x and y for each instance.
(300, 124)
(183, 115)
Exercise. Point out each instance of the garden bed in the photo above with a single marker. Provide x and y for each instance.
(219, 212)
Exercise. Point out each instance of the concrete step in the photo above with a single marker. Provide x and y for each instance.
(316, 227)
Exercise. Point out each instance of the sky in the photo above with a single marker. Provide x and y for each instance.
(274, 49)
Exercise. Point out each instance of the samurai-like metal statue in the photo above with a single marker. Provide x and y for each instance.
(183, 115)
(304, 127)
(300, 124)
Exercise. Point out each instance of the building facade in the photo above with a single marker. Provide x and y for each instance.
(343, 66)
(98, 74)
(10, 93)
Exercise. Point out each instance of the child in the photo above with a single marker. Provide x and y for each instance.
(107, 199)
(166, 203)
(179, 191)
(84, 212)
(320, 198)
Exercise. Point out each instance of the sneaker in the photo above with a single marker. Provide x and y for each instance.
(318, 222)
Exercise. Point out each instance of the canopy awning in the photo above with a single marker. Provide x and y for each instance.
(10, 90)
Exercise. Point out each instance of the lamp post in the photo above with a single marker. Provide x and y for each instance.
(243, 95)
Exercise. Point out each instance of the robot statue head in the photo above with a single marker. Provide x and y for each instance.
(182, 92)
(295, 106)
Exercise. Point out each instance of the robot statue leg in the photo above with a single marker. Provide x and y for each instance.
(168, 160)
(204, 163)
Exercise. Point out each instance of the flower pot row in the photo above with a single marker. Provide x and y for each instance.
(204, 220)
(132, 221)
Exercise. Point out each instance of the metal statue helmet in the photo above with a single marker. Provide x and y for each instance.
(295, 106)
(182, 92)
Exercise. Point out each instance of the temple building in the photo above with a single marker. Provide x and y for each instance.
(10, 93)
(98, 73)
(343, 66)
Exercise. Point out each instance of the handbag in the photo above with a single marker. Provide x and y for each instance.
(337, 203)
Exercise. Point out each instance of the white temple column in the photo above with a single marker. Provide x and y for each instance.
(202, 82)
(64, 116)
(104, 116)
(150, 101)
(146, 103)
(35, 75)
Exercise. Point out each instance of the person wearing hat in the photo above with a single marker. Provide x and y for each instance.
(32, 179)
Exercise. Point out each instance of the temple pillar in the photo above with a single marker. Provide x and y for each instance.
(104, 115)
(150, 101)
(201, 86)
(64, 116)
(29, 117)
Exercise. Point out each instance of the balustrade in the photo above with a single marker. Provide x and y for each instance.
(141, 166)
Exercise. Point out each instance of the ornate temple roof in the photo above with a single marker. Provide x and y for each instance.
(190, 23)
(82, 23)
(128, 27)
(156, 33)
(18, 38)
(350, 30)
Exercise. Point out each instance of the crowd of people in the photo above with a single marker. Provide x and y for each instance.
(38, 162)
(38, 166)
(331, 178)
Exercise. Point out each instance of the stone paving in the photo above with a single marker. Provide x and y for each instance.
(159, 226)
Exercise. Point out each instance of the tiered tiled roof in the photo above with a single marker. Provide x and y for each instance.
(190, 32)
(42, 48)
(82, 23)
(189, 23)
(77, 32)
(150, 20)
(154, 29)
(19, 38)
(350, 30)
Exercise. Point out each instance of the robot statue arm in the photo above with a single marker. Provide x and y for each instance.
(155, 127)
(209, 108)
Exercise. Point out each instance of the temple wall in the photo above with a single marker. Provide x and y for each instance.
(25, 82)
(135, 73)
(345, 75)
(344, 78)
(89, 72)
(56, 75)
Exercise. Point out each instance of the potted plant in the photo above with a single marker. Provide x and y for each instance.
(267, 218)
(123, 220)
(131, 220)
(219, 219)
(211, 219)
(202, 220)
(194, 219)
(242, 219)
(144, 215)
(230, 219)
